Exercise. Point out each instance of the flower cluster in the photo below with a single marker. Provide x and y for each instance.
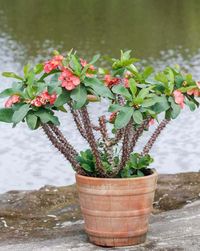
(52, 64)
(12, 100)
(90, 70)
(68, 79)
(195, 91)
(111, 81)
(43, 99)
(179, 98)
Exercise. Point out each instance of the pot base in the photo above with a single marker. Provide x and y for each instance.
(117, 242)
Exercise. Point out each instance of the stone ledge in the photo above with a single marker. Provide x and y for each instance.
(53, 213)
(176, 230)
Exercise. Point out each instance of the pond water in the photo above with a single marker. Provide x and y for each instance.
(159, 32)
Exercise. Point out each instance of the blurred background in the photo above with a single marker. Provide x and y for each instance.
(159, 32)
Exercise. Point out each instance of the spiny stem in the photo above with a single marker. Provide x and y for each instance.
(104, 133)
(137, 134)
(78, 122)
(66, 152)
(103, 129)
(63, 140)
(92, 142)
(125, 145)
(154, 136)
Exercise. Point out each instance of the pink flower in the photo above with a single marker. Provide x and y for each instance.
(44, 98)
(179, 98)
(151, 122)
(69, 80)
(91, 67)
(36, 102)
(110, 81)
(83, 62)
(12, 100)
(52, 99)
(128, 74)
(126, 82)
(52, 64)
(194, 92)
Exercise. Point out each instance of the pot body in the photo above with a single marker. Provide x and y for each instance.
(116, 211)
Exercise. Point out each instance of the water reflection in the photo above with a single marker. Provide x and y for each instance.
(162, 32)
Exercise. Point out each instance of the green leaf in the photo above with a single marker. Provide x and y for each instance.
(133, 86)
(115, 108)
(170, 75)
(123, 117)
(6, 93)
(175, 108)
(47, 116)
(148, 102)
(6, 115)
(137, 116)
(119, 89)
(147, 72)
(161, 77)
(20, 113)
(140, 173)
(76, 65)
(52, 87)
(191, 104)
(79, 95)
(38, 68)
(26, 69)
(62, 99)
(11, 75)
(133, 160)
(94, 59)
(144, 92)
(86, 167)
(31, 120)
(178, 81)
(98, 87)
(161, 105)
(31, 78)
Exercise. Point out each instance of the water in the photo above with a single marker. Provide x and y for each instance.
(159, 32)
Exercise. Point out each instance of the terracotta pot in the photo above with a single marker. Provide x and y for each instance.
(116, 211)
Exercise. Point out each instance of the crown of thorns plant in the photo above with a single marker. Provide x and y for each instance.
(136, 99)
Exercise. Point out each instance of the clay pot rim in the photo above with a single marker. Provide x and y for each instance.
(154, 174)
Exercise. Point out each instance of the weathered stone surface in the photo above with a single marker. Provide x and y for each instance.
(176, 230)
(51, 213)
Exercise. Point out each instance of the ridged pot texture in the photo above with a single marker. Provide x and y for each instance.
(116, 211)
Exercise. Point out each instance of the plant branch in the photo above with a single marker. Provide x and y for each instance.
(78, 122)
(126, 144)
(64, 149)
(91, 140)
(154, 136)
(106, 140)
(137, 135)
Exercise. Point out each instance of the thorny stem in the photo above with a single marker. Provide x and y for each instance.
(64, 149)
(63, 140)
(136, 135)
(126, 145)
(154, 136)
(91, 140)
(104, 133)
(78, 122)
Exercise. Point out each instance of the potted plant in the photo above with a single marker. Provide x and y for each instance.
(115, 184)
